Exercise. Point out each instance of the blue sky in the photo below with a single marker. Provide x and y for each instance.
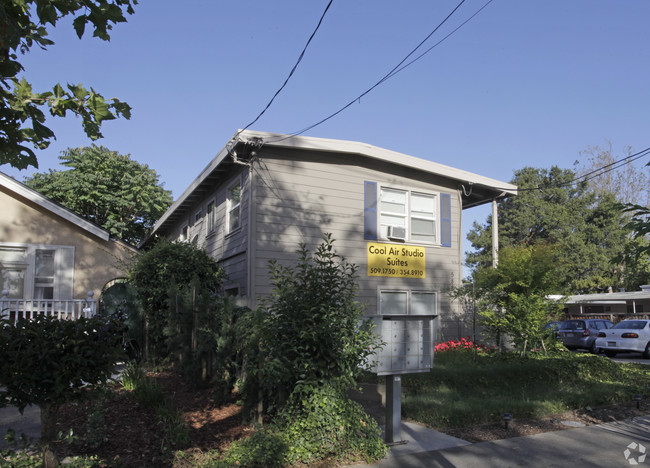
(524, 83)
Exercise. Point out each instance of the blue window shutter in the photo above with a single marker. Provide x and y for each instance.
(445, 219)
(370, 210)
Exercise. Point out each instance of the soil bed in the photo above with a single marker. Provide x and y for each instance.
(131, 435)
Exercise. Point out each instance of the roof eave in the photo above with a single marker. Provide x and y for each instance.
(32, 195)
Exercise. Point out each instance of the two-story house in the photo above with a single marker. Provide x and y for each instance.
(397, 217)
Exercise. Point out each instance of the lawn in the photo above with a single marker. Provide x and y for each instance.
(465, 388)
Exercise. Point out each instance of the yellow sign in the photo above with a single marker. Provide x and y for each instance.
(396, 261)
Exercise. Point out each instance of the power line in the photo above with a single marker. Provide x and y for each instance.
(441, 40)
(396, 69)
(302, 54)
(590, 175)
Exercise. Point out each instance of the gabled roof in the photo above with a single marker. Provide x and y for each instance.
(478, 189)
(56, 209)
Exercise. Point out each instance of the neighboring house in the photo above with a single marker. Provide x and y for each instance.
(614, 306)
(51, 259)
(397, 217)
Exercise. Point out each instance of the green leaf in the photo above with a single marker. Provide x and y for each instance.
(79, 25)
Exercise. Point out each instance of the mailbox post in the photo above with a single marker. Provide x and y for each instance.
(406, 321)
(393, 408)
(409, 345)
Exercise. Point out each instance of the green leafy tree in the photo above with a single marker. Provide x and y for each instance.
(307, 344)
(48, 362)
(311, 325)
(170, 270)
(513, 295)
(637, 253)
(23, 25)
(552, 207)
(109, 189)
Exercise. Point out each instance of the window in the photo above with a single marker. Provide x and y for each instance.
(413, 211)
(184, 233)
(44, 274)
(13, 266)
(211, 216)
(407, 303)
(411, 215)
(30, 271)
(234, 207)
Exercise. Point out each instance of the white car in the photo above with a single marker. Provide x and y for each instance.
(626, 336)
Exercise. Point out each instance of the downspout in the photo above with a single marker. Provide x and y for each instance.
(495, 234)
(252, 221)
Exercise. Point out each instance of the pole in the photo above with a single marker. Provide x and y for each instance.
(393, 409)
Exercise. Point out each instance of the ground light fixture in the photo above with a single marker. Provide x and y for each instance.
(507, 417)
(638, 399)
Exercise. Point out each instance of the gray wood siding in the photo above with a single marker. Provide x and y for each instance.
(229, 248)
(299, 198)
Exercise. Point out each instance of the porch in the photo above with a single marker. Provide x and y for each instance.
(13, 309)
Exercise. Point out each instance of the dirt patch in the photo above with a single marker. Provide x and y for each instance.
(130, 435)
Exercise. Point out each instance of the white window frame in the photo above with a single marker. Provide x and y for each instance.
(184, 234)
(230, 207)
(409, 301)
(409, 216)
(63, 285)
(211, 217)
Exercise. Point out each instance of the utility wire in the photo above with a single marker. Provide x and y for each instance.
(302, 54)
(396, 69)
(590, 175)
(440, 41)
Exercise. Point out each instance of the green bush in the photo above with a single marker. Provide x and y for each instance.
(48, 362)
(325, 424)
(311, 329)
(186, 267)
(305, 346)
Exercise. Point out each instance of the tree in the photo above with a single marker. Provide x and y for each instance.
(310, 325)
(513, 295)
(169, 267)
(554, 208)
(24, 24)
(637, 253)
(107, 188)
(311, 345)
(48, 362)
(627, 182)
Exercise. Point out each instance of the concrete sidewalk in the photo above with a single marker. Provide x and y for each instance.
(617, 444)
(28, 423)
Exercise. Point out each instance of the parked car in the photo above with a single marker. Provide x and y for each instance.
(552, 327)
(626, 336)
(582, 334)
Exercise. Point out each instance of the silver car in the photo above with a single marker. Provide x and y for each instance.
(626, 336)
(582, 333)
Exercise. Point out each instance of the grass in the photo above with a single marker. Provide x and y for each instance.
(462, 390)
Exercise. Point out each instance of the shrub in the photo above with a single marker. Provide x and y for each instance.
(306, 345)
(48, 362)
(324, 424)
(183, 265)
(311, 327)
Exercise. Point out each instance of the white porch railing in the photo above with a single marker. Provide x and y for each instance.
(13, 309)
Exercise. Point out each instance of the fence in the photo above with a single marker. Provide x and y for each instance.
(72, 309)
